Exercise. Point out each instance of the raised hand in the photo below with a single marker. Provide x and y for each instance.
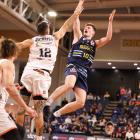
(79, 7)
(112, 15)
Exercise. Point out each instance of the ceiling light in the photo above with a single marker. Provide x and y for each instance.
(135, 64)
(138, 68)
(113, 67)
(52, 13)
(109, 63)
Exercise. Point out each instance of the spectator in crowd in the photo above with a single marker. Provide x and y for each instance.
(93, 120)
(109, 129)
(138, 97)
(137, 134)
(129, 94)
(118, 132)
(107, 95)
(129, 135)
(90, 96)
(68, 120)
(122, 94)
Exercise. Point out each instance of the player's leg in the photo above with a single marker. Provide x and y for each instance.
(71, 76)
(73, 106)
(80, 90)
(21, 112)
(41, 84)
(68, 85)
(39, 120)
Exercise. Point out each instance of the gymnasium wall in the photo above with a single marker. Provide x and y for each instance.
(115, 50)
(101, 80)
(17, 35)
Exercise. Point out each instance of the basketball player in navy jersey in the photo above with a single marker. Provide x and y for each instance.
(36, 75)
(80, 59)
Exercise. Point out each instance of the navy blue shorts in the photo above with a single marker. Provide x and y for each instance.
(80, 73)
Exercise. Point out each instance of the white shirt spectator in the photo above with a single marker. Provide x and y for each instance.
(129, 134)
(107, 95)
(68, 120)
(62, 128)
(137, 135)
(129, 91)
(93, 120)
(138, 97)
(90, 96)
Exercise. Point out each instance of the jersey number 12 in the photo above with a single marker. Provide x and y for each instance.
(46, 52)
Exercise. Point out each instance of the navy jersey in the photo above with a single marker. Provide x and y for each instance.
(82, 52)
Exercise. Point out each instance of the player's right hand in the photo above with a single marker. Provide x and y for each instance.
(17, 85)
(112, 15)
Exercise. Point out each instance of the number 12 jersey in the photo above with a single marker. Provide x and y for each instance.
(43, 53)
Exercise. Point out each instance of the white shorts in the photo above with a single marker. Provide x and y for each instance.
(6, 122)
(36, 83)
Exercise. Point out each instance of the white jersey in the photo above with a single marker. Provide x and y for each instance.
(43, 53)
(6, 122)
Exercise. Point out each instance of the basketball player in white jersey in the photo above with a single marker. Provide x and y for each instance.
(8, 129)
(36, 76)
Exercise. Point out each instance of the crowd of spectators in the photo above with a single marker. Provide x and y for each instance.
(82, 121)
(125, 117)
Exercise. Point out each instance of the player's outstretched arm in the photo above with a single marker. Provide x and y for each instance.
(76, 30)
(104, 40)
(67, 26)
(24, 44)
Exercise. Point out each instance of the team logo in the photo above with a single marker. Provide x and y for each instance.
(92, 43)
(72, 70)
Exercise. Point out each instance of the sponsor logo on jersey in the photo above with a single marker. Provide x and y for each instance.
(72, 70)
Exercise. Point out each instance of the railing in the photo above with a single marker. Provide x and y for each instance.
(24, 10)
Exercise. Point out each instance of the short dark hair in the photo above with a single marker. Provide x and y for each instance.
(92, 25)
(42, 27)
(8, 48)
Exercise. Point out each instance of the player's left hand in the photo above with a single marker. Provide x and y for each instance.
(79, 7)
(32, 113)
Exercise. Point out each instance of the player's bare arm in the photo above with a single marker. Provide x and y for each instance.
(67, 26)
(76, 30)
(8, 80)
(25, 44)
(103, 41)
